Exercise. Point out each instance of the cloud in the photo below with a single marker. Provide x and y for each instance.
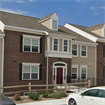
(13, 11)
(32, 0)
(102, 7)
(95, 14)
(93, 8)
(19, 1)
(78, 0)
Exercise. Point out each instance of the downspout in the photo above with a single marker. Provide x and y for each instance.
(47, 59)
(96, 65)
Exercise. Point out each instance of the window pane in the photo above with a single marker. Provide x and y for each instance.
(83, 47)
(74, 70)
(65, 42)
(74, 52)
(55, 47)
(55, 41)
(83, 70)
(65, 48)
(26, 48)
(27, 41)
(26, 75)
(34, 69)
(34, 42)
(74, 46)
(34, 76)
(83, 76)
(34, 48)
(26, 69)
(74, 76)
(83, 53)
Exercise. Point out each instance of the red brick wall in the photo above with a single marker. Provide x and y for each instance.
(100, 63)
(13, 57)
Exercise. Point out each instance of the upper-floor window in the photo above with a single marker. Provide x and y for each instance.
(54, 24)
(30, 71)
(65, 45)
(83, 51)
(74, 49)
(55, 44)
(31, 44)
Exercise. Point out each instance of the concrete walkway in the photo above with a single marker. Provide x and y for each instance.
(49, 102)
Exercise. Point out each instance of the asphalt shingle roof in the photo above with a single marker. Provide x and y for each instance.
(33, 23)
(86, 30)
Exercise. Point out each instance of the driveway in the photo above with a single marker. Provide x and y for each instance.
(49, 102)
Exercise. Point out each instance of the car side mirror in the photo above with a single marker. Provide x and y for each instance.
(82, 94)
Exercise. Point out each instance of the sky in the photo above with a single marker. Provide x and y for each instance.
(80, 12)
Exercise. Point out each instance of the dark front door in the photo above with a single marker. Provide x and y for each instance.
(59, 75)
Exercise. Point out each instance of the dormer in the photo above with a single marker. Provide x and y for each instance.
(50, 21)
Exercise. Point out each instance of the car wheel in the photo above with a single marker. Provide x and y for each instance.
(72, 102)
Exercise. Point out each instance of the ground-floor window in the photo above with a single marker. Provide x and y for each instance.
(83, 72)
(74, 72)
(30, 71)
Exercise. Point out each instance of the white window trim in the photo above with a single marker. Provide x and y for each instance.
(83, 66)
(81, 50)
(52, 24)
(31, 38)
(77, 50)
(63, 45)
(30, 65)
(74, 66)
(53, 44)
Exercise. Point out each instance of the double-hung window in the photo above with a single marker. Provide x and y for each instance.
(83, 51)
(55, 44)
(74, 49)
(31, 44)
(30, 71)
(65, 45)
(74, 72)
(83, 72)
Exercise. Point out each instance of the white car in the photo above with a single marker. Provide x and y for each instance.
(92, 96)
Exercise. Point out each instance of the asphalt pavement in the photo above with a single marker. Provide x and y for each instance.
(48, 102)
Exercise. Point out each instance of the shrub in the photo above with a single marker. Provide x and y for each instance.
(63, 94)
(58, 94)
(45, 95)
(33, 96)
(17, 97)
(42, 91)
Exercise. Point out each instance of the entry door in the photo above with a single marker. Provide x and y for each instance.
(59, 75)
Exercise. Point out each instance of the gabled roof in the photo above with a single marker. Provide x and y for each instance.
(96, 26)
(22, 21)
(83, 28)
(47, 17)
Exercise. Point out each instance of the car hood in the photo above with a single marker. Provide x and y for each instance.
(5, 100)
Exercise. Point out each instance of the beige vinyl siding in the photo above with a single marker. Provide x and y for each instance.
(69, 45)
(0, 62)
(97, 31)
(86, 61)
(51, 41)
(47, 23)
(60, 45)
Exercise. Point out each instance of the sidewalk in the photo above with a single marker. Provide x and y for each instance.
(49, 102)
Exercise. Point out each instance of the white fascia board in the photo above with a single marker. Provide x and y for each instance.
(1, 35)
(2, 25)
(62, 35)
(81, 32)
(86, 43)
(20, 29)
(58, 54)
(100, 40)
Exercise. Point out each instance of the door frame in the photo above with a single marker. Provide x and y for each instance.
(64, 66)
